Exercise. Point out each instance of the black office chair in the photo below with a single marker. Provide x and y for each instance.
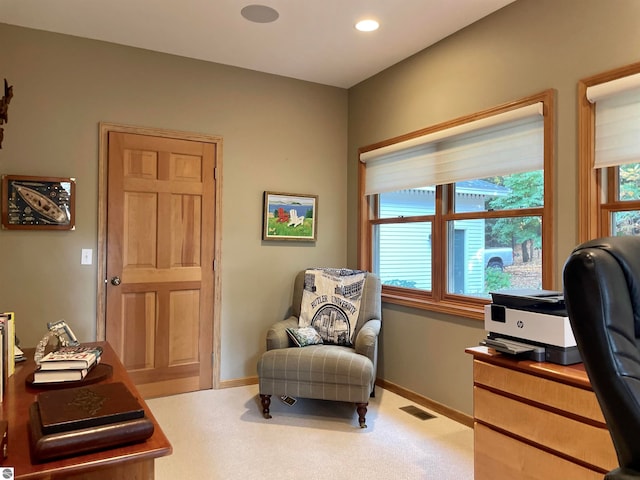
(602, 295)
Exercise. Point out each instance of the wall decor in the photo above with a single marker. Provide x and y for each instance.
(4, 107)
(38, 203)
(290, 216)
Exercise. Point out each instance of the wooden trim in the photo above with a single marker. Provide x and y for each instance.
(217, 267)
(490, 112)
(101, 254)
(364, 227)
(439, 239)
(101, 258)
(472, 308)
(513, 213)
(239, 382)
(549, 280)
(588, 224)
(437, 407)
(613, 181)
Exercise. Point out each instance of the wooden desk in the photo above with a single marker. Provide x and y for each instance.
(134, 462)
(536, 420)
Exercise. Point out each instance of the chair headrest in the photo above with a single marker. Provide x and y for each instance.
(625, 251)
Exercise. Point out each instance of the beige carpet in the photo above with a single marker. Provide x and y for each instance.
(220, 434)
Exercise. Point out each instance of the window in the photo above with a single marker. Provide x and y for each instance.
(609, 150)
(455, 211)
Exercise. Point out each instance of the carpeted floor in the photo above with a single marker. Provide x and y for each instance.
(220, 434)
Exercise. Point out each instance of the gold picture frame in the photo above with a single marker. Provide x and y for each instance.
(290, 216)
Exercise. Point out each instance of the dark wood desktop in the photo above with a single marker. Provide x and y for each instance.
(134, 462)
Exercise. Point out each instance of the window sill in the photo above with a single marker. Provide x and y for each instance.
(474, 312)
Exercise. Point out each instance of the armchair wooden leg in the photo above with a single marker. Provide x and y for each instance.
(361, 408)
(265, 400)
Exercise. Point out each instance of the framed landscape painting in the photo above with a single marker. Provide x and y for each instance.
(290, 216)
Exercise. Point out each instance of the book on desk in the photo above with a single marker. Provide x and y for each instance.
(71, 357)
(67, 364)
(77, 420)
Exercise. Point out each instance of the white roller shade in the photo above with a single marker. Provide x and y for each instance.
(617, 122)
(509, 142)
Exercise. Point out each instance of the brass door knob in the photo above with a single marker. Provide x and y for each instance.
(115, 281)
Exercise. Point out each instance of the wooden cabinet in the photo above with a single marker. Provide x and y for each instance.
(536, 420)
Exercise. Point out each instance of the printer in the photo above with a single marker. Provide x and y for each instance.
(532, 324)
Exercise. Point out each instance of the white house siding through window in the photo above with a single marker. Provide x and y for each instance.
(404, 257)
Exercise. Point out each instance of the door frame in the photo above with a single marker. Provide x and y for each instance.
(101, 257)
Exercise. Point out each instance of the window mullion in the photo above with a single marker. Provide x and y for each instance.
(613, 176)
(438, 245)
(412, 219)
(521, 212)
(621, 206)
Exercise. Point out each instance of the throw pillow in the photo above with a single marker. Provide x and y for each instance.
(304, 336)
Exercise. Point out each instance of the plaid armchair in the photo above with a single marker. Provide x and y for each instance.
(325, 371)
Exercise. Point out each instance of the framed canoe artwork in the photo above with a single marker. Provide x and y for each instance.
(38, 203)
(290, 216)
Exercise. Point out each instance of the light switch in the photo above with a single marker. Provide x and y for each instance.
(87, 256)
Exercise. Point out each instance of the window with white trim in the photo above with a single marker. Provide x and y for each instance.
(458, 210)
(610, 153)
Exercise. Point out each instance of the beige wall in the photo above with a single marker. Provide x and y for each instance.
(523, 49)
(285, 135)
(279, 135)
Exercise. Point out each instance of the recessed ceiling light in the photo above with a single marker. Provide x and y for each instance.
(259, 13)
(367, 25)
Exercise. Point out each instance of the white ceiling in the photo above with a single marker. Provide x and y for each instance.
(312, 40)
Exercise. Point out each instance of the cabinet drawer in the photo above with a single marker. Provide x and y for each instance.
(499, 457)
(583, 441)
(558, 395)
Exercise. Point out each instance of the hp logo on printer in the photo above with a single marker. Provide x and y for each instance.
(520, 324)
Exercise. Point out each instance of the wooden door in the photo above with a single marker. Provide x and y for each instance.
(159, 260)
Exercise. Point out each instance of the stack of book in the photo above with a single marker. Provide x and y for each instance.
(77, 420)
(67, 364)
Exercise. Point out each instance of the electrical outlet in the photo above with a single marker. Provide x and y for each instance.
(87, 256)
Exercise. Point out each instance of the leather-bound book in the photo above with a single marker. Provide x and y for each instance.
(85, 440)
(83, 407)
